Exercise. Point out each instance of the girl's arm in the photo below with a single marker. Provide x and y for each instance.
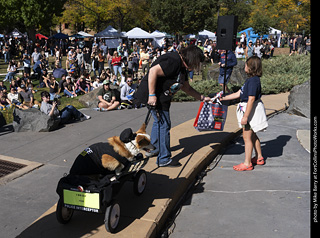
(231, 96)
(246, 114)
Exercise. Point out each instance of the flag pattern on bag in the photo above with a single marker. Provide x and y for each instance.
(210, 117)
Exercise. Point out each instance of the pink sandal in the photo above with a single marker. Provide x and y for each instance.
(243, 167)
(259, 161)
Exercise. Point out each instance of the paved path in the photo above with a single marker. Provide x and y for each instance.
(34, 193)
(271, 201)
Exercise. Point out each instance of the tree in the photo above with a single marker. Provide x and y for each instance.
(31, 15)
(181, 16)
(97, 14)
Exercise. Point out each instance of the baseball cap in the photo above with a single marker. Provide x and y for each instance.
(105, 82)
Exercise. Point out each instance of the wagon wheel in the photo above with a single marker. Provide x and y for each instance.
(63, 214)
(112, 217)
(140, 182)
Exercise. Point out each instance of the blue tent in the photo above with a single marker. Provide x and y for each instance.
(251, 35)
(59, 36)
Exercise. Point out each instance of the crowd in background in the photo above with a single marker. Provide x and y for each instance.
(89, 64)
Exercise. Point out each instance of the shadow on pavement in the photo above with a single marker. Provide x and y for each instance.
(133, 207)
(271, 148)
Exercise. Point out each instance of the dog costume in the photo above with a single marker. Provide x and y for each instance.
(89, 161)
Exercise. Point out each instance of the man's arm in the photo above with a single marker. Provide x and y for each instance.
(194, 93)
(155, 72)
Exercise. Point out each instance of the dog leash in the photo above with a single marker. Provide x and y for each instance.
(146, 121)
(150, 108)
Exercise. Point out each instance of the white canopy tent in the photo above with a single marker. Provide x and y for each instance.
(277, 33)
(138, 33)
(211, 35)
(158, 38)
(85, 34)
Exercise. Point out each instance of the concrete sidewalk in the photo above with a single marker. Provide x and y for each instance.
(144, 216)
(273, 200)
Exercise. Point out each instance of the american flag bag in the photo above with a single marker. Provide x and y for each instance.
(211, 116)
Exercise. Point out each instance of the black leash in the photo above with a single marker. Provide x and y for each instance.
(150, 108)
(146, 121)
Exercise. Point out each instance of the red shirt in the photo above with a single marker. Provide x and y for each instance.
(116, 61)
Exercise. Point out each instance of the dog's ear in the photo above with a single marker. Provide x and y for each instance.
(142, 141)
(142, 129)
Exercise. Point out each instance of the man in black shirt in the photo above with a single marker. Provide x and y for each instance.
(167, 75)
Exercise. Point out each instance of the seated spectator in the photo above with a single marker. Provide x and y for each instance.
(3, 87)
(69, 88)
(127, 92)
(67, 114)
(12, 70)
(13, 96)
(58, 71)
(30, 86)
(72, 66)
(82, 86)
(13, 84)
(107, 98)
(4, 101)
(25, 77)
(97, 83)
(54, 88)
(61, 84)
(26, 97)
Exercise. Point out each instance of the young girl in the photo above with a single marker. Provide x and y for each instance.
(250, 113)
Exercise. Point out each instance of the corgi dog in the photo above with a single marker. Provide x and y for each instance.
(114, 155)
(127, 146)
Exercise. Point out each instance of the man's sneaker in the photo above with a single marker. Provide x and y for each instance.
(84, 117)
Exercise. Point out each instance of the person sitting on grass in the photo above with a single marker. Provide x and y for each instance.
(69, 88)
(82, 86)
(4, 101)
(67, 114)
(26, 97)
(107, 98)
(13, 96)
(127, 92)
(54, 88)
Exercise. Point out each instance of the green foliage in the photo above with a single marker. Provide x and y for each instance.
(8, 114)
(280, 74)
(29, 14)
(181, 16)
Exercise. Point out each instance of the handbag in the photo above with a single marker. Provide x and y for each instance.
(211, 116)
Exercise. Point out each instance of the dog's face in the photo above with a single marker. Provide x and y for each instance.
(143, 141)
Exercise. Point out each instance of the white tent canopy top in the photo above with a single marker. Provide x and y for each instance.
(138, 33)
(158, 34)
(85, 34)
(211, 35)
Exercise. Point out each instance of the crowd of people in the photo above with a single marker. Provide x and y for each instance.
(92, 65)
